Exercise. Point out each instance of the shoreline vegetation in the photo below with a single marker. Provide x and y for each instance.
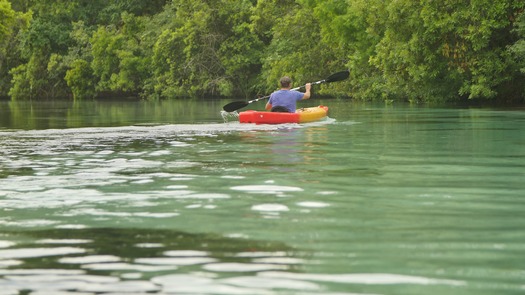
(403, 50)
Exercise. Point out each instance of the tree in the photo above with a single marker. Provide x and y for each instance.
(12, 24)
(297, 47)
(50, 49)
(79, 74)
(211, 52)
(424, 50)
(416, 50)
(353, 29)
(119, 62)
(517, 52)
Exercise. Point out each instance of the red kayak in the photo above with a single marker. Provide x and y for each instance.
(303, 115)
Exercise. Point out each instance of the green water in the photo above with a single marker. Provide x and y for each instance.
(167, 198)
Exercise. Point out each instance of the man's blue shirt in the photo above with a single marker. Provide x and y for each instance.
(286, 98)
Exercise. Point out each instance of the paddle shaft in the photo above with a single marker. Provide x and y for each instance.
(296, 88)
(267, 96)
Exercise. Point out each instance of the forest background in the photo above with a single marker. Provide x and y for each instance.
(396, 50)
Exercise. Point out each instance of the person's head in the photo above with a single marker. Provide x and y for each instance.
(286, 82)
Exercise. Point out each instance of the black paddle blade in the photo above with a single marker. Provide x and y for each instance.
(338, 76)
(233, 106)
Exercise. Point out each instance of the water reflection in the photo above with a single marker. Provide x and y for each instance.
(289, 148)
(92, 113)
(115, 261)
(122, 260)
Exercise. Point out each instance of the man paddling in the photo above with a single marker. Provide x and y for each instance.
(285, 99)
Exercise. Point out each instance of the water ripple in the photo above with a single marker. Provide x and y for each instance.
(367, 278)
(270, 208)
(267, 189)
(38, 252)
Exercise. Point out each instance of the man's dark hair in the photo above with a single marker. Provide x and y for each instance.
(285, 82)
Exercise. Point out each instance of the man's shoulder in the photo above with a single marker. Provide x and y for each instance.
(280, 92)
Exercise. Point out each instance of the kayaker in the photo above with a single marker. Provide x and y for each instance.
(284, 99)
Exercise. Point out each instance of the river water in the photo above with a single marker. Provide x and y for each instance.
(113, 197)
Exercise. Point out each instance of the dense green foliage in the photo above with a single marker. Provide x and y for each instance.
(422, 50)
(11, 25)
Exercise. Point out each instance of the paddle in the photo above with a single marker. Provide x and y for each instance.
(236, 105)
